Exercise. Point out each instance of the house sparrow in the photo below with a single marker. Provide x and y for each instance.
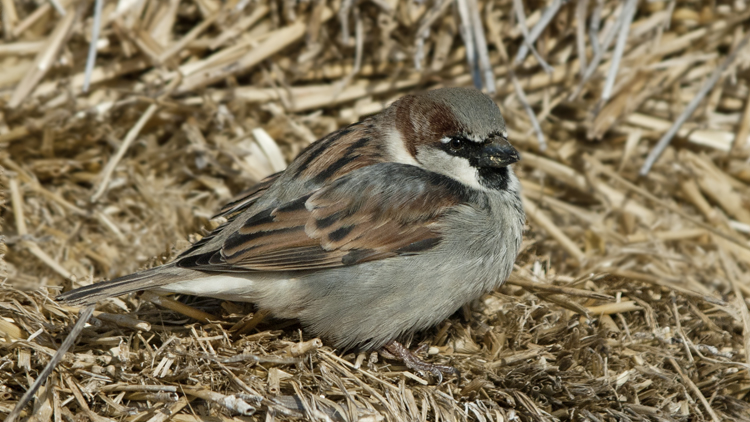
(376, 231)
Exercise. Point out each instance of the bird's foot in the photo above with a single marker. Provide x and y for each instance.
(396, 350)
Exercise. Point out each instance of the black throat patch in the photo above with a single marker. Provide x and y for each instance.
(494, 178)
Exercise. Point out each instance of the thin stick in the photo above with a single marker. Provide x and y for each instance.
(521, 16)
(346, 5)
(740, 141)
(241, 26)
(622, 38)
(9, 17)
(668, 284)
(720, 140)
(190, 36)
(129, 138)
(17, 204)
(10, 330)
(232, 402)
(359, 40)
(666, 205)
(60, 9)
(273, 43)
(667, 138)
(734, 274)
(695, 389)
(468, 37)
(596, 19)
(581, 9)
(247, 326)
(138, 388)
(83, 318)
(51, 262)
(599, 51)
(563, 302)
(435, 12)
(43, 60)
(95, 28)
(480, 43)
(30, 20)
(122, 320)
(536, 31)
(38, 188)
(179, 307)
(547, 225)
(530, 111)
(614, 308)
(549, 288)
(82, 402)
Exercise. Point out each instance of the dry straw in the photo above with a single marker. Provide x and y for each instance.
(124, 125)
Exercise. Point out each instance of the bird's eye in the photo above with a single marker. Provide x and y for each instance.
(456, 144)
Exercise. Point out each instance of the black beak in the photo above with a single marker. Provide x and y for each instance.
(498, 155)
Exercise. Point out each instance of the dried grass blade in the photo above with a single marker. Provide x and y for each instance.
(467, 35)
(622, 38)
(189, 37)
(530, 112)
(83, 318)
(658, 281)
(742, 140)
(581, 9)
(695, 390)
(91, 59)
(536, 31)
(736, 277)
(528, 43)
(667, 138)
(179, 307)
(129, 138)
(274, 42)
(668, 206)
(533, 212)
(480, 42)
(241, 26)
(550, 288)
(43, 61)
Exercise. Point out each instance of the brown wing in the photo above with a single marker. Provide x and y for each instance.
(373, 213)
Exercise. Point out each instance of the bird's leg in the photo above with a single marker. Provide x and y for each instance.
(396, 350)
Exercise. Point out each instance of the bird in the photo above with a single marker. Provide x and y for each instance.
(376, 231)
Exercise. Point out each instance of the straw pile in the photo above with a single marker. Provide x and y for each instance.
(629, 301)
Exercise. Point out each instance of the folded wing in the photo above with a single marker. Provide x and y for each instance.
(376, 212)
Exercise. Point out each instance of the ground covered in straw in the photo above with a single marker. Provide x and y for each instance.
(629, 301)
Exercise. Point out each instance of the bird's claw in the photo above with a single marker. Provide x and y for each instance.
(413, 362)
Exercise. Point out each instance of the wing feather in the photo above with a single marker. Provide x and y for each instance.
(375, 212)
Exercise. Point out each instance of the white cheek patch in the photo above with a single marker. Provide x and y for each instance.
(457, 168)
(397, 150)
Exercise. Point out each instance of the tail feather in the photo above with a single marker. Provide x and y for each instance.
(142, 280)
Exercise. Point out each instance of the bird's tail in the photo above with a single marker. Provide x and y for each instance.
(142, 280)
